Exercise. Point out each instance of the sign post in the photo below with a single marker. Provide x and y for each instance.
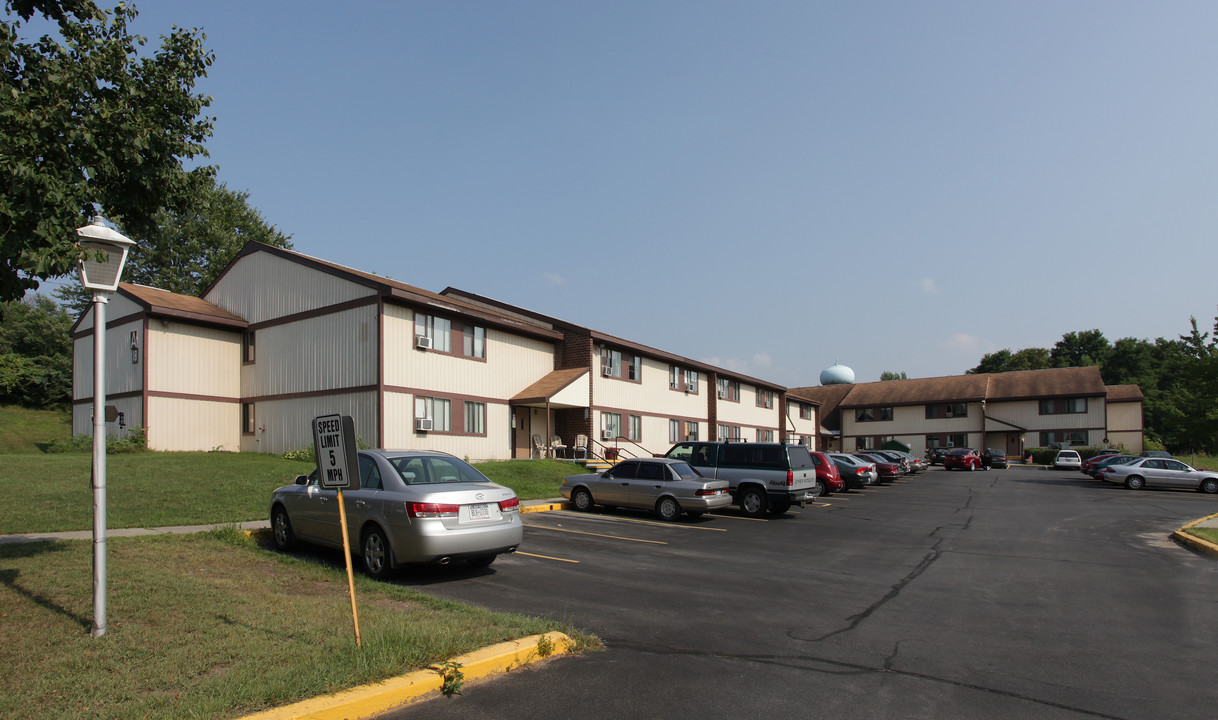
(338, 469)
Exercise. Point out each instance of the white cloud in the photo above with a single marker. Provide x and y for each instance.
(928, 286)
(555, 279)
(971, 345)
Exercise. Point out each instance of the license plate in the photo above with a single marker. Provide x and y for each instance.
(480, 512)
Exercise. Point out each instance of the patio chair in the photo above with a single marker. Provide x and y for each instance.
(581, 447)
(556, 445)
(539, 450)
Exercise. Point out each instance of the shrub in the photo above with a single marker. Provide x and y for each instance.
(136, 441)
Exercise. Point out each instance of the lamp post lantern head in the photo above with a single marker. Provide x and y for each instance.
(106, 254)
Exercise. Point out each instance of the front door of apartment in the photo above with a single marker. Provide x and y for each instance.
(522, 444)
(1014, 446)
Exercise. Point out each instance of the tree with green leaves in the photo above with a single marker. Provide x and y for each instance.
(187, 248)
(35, 353)
(1007, 361)
(890, 375)
(87, 124)
(1080, 349)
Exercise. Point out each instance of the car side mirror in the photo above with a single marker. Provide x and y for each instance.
(302, 479)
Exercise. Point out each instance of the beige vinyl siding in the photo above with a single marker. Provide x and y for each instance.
(117, 308)
(1026, 413)
(1130, 440)
(652, 395)
(328, 352)
(512, 363)
(121, 374)
(186, 424)
(911, 420)
(746, 413)
(1125, 417)
(400, 433)
(193, 360)
(287, 424)
(798, 426)
(131, 407)
(263, 287)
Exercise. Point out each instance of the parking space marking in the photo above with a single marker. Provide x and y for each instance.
(741, 517)
(584, 532)
(620, 518)
(545, 557)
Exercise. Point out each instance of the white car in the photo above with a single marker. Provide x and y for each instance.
(1068, 460)
(1144, 472)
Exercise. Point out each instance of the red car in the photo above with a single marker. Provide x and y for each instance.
(1090, 462)
(888, 471)
(962, 459)
(827, 474)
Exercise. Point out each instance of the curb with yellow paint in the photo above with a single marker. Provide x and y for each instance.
(370, 700)
(1192, 541)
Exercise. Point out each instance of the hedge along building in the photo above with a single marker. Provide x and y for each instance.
(1008, 411)
(280, 338)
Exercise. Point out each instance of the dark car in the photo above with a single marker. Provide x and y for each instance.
(993, 458)
(893, 457)
(962, 459)
(937, 455)
(1156, 453)
(1096, 467)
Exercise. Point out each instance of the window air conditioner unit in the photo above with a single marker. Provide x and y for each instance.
(422, 342)
(691, 387)
(606, 371)
(422, 424)
(607, 435)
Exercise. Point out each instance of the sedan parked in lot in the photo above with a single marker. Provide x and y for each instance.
(937, 455)
(666, 485)
(413, 506)
(962, 459)
(994, 458)
(857, 473)
(886, 470)
(1169, 472)
(1095, 467)
(1097, 458)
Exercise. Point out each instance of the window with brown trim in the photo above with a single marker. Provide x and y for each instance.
(247, 347)
(247, 419)
(879, 414)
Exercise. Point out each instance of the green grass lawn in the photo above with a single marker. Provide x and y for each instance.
(1210, 534)
(50, 493)
(214, 626)
(22, 430)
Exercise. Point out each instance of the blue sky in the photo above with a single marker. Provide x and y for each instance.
(768, 187)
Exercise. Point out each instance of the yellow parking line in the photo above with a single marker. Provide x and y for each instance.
(741, 517)
(651, 522)
(546, 557)
(581, 532)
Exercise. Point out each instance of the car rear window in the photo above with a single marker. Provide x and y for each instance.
(799, 456)
(685, 471)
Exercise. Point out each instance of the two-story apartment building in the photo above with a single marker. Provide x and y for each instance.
(1009, 411)
(280, 338)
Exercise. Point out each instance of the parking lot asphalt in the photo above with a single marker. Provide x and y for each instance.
(1001, 594)
(719, 625)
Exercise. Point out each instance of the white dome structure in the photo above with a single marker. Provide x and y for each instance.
(837, 375)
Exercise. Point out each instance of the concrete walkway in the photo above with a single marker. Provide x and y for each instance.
(251, 526)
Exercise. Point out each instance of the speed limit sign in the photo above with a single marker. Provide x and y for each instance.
(334, 445)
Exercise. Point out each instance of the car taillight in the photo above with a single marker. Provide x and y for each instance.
(431, 510)
(708, 491)
(790, 478)
(509, 505)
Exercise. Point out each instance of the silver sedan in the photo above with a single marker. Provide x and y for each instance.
(668, 486)
(1145, 472)
(412, 506)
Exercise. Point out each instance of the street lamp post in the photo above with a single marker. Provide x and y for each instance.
(100, 268)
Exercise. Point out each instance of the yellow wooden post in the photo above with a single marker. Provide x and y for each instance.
(342, 518)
